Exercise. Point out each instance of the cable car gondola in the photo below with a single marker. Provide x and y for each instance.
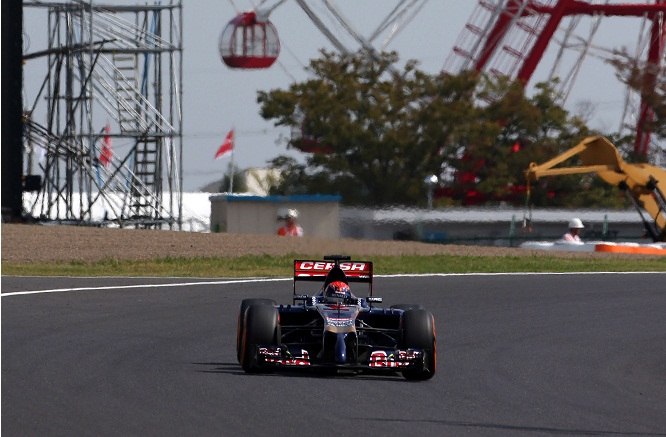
(249, 41)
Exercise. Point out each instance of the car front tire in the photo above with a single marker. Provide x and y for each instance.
(260, 328)
(418, 332)
(241, 316)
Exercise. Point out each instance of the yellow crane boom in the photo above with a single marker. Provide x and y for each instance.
(600, 156)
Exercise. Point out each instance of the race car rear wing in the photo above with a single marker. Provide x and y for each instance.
(318, 271)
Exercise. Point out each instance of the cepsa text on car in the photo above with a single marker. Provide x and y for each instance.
(325, 266)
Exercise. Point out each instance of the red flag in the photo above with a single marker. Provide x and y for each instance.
(227, 147)
(106, 153)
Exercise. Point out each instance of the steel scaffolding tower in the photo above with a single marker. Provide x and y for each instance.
(108, 142)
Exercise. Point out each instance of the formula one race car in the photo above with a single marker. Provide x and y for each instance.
(333, 329)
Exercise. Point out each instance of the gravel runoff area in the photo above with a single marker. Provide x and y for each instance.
(28, 243)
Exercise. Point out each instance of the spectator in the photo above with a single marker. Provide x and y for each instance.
(290, 228)
(575, 225)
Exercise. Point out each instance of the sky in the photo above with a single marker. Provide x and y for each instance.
(217, 98)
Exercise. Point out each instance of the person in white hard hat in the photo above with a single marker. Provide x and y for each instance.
(575, 225)
(290, 228)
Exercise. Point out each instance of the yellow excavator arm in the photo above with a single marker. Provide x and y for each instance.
(600, 156)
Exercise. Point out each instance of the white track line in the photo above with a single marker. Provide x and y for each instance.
(120, 287)
(245, 281)
(416, 275)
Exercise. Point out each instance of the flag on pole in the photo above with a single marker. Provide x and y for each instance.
(106, 154)
(227, 147)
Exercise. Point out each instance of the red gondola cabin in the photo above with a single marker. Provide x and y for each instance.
(249, 41)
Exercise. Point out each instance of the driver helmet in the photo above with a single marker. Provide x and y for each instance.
(337, 290)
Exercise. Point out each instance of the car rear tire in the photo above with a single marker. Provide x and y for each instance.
(260, 328)
(241, 316)
(418, 332)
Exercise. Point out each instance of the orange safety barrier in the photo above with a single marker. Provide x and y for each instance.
(638, 250)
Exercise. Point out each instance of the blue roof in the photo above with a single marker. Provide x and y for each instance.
(297, 198)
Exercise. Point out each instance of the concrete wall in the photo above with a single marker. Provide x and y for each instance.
(485, 226)
(242, 214)
(321, 216)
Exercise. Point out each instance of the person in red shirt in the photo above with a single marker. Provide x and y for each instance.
(291, 228)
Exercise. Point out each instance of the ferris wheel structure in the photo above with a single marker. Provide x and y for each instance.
(501, 37)
(510, 37)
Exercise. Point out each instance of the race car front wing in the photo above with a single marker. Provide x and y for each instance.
(388, 359)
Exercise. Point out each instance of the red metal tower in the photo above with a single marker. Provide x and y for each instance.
(509, 37)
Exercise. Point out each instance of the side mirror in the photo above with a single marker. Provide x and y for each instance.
(374, 299)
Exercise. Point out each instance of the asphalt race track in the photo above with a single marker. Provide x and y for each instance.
(517, 355)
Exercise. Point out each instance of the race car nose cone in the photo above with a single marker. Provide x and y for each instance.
(340, 349)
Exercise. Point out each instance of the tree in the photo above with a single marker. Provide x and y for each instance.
(385, 129)
(522, 129)
(518, 130)
(380, 131)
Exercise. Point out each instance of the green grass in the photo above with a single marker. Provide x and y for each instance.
(282, 266)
